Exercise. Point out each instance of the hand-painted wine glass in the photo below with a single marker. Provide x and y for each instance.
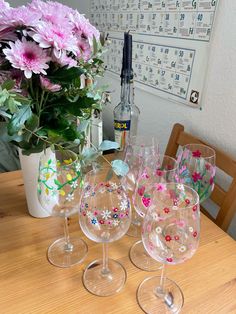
(197, 168)
(59, 192)
(105, 216)
(170, 235)
(138, 148)
(155, 172)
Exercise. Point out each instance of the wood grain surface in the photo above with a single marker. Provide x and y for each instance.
(30, 284)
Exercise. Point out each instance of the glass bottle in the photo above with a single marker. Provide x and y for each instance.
(126, 114)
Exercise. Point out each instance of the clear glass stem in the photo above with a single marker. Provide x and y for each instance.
(160, 290)
(105, 269)
(68, 244)
(162, 280)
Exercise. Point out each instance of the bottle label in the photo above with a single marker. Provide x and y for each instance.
(122, 129)
(122, 125)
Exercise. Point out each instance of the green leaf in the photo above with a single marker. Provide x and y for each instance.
(57, 182)
(89, 154)
(21, 99)
(3, 96)
(65, 75)
(120, 167)
(95, 46)
(9, 84)
(18, 120)
(107, 145)
(12, 105)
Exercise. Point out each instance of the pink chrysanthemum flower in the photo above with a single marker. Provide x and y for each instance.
(64, 60)
(84, 50)
(4, 5)
(48, 10)
(22, 16)
(82, 27)
(57, 36)
(28, 57)
(48, 85)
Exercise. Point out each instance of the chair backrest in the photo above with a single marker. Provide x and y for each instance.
(226, 200)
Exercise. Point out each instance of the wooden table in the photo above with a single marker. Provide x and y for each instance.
(30, 284)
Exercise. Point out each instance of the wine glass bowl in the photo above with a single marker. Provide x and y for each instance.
(171, 227)
(59, 192)
(105, 216)
(155, 172)
(170, 235)
(197, 168)
(99, 221)
(138, 148)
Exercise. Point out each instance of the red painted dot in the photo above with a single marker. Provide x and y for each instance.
(168, 238)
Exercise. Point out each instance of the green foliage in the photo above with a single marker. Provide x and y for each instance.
(36, 117)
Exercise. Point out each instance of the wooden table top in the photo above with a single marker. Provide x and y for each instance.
(30, 284)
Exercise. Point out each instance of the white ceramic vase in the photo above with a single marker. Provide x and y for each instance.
(30, 167)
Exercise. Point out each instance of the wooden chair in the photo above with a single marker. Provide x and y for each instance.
(226, 200)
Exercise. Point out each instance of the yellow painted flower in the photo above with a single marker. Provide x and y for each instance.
(47, 176)
(69, 177)
(68, 161)
(62, 193)
(46, 191)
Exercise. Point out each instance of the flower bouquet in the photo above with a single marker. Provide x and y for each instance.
(49, 61)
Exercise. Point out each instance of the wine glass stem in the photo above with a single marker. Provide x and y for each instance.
(105, 269)
(162, 280)
(160, 290)
(68, 246)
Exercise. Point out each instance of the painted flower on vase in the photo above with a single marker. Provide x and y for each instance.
(196, 153)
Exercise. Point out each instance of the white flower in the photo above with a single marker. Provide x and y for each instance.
(180, 187)
(182, 248)
(113, 185)
(124, 205)
(155, 216)
(70, 197)
(116, 222)
(87, 194)
(77, 167)
(119, 197)
(106, 214)
(190, 229)
(90, 215)
(74, 184)
(158, 230)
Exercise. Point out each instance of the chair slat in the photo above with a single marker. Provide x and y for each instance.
(218, 195)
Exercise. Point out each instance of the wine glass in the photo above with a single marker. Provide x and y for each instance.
(155, 172)
(136, 151)
(170, 235)
(105, 216)
(59, 192)
(197, 168)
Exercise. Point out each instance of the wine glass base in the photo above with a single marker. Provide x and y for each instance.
(140, 258)
(58, 256)
(153, 301)
(104, 284)
(134, 231)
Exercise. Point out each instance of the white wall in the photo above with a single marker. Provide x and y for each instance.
(81, 5)
(216, 122)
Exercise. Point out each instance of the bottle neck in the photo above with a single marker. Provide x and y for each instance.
(125, 92)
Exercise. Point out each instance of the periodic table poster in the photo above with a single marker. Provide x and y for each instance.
(171, 40)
